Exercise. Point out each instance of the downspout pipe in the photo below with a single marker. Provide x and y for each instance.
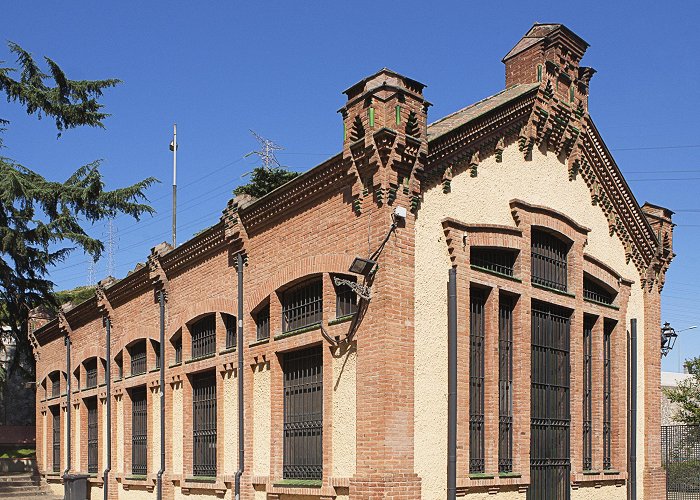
(68, 405)
(632, 421)
(239, 343)
(108, 377)
(452, 385)
(161, 301)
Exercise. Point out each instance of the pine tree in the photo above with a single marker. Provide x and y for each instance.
(263, 180)
(687, 395)
(41, 220)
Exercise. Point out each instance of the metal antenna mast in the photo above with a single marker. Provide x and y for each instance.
(266, 152)
(173, 148)
(92, 269)
(111, 247)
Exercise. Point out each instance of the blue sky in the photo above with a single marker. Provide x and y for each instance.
(219, 69)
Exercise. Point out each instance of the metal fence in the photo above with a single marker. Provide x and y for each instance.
(680, 455)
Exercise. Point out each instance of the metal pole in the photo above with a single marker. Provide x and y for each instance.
(239, 344)
(452, 385)
(174, 147)
(632, 424)
(68, 404)
(108, 378)
(161, 301)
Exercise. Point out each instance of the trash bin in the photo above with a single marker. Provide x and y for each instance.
(75, 486)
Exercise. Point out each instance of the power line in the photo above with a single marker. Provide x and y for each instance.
(648, 148)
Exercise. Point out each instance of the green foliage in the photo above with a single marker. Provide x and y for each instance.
(13, 452)
(75, 295)
(41, 221)
(687, 395)
(263, 180)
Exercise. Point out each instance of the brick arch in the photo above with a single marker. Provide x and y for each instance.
(295, 270)
(526, 214)
(45, 373)
(198, 309)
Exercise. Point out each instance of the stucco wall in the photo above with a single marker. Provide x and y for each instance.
(344, 412)
(103, 431)
(44, 444)
(501, 495)
(154, 429)
(485, 199)
(201, 495)
(133, 493)
(230, 423)
(601, 493)
(261, 420)
(176, 429)
(119, 464)
(635, 309)
(76, 451)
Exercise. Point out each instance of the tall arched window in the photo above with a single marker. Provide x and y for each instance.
(203, 334)
(549, 260)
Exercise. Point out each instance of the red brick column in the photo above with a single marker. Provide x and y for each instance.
(596, 395)
(491, 327)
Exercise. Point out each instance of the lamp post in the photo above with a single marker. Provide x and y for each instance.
(669, 336)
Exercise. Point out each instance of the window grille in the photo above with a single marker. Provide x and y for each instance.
(607, 402)
(345, 299)
(505, 384)
(177, 344)
(56, 385)
(92, 434)
(230, 330)
(139, 431)
(476, 383)
(119, 360)
(303, 414)
(496, 260)
(204, 423)
(262, 323)
(156, 347)
(596, 292)
(138, 358)
(549, 266)
(56, 424)
(587, 393)
(302, 306)
(550, 462)
(91, 374)
(204, 336)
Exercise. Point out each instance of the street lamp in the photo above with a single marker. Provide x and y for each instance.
(669, 336)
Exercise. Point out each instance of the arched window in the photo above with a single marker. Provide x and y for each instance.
(496, 260)
(137, 351)
(302, 305)
(549, 260)
(203, 334)
(90, 373)
(55, 379)
(230, 322)
(596, 291)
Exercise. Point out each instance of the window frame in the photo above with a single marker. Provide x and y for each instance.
(345, 297)
(549, 253)
(90, 373)
(92, 435)
(262, 322)
(302, 305)
(138, 360)
(477, 337)
(203, 336)
(506, 310)
(204, 424)
(139, 422)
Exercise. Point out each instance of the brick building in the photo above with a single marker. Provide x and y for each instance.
(515, 201)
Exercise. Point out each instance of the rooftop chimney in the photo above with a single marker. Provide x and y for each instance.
(550, 54)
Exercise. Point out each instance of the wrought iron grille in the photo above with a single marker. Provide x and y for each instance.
(607, 401)
(56, 431)
(119, 360)
(262, 323)
(497, 260)
(597, 293)
(549, 266)
(204, 336)
(680, 456)
(156, 347)
(505, 384)
(476, 383)
(230, 322)
(138, 358)
(91, 405)
(178, 350)
(303, 414)
(55, 386)
(139, 431)
(91, 374)
(345, 299)
(302, 306)
(204, 424)
(587, 392)
(550, 463)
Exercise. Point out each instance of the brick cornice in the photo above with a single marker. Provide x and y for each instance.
(194, 250)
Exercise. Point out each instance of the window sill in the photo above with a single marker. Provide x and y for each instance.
(136, 478)
(341, 319)
(133, 375)
(200, 358)
(291, 333)
(611, 472)
(481, 475)
(175, 364)
(228, 350)
(299, 483)
(201, 479)
(496, 273)
(610, 306)
(259, 342)
(510, 474)
(553, 290)
(591, 472)
(154, 370)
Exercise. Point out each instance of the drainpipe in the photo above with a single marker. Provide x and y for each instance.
(68, 404)
(239, 343)
(632, 421)
(161, 300)
(108, 377)
(452, 385)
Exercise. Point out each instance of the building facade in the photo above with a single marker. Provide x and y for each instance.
(344, 364)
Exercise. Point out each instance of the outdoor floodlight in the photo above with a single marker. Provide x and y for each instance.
(668, 338)
(362, 266)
